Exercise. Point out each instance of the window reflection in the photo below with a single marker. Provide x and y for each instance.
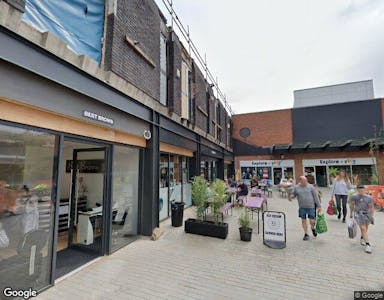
(26, 210)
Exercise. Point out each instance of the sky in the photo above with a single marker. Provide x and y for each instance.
(263, 50)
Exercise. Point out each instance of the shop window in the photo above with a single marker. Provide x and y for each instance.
(26, 207)
(347, 170)
(175, 181)
(187, 191)
(125, 204)
(362, 174)
(164, 185)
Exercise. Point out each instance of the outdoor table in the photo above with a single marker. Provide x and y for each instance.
(263, 186)
(255, 192)
(256, 204)
(232, 192)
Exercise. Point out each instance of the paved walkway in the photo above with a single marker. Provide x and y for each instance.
(185, 266)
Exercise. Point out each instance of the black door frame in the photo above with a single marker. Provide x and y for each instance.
(73, 194)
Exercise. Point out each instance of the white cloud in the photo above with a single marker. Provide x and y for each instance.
(262, 50)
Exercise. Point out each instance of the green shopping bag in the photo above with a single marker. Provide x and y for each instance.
(321, 224)
(336, 210)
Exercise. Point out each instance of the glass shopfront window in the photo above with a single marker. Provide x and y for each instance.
(164, 185)
(363, 174)
(26, 207)
(125, 201)
(175, 178)
(187, 186)
(174, 183)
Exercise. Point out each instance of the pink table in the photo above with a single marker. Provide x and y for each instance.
(256, 204)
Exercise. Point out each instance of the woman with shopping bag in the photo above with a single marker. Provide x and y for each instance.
(362, 209)
(341, 186)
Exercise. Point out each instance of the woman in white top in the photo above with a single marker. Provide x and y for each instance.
(341, 185)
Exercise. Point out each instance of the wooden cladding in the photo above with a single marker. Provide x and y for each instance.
(30, 115)
(175, 150)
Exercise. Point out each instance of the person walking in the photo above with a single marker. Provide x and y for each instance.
(363, 208)
(341, 185)
(308, 200)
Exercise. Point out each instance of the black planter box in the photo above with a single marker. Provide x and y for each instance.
(245, 234)
(206, 228)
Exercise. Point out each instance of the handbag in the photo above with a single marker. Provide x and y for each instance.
(321, 224)
(331, 208)
(4, 240)
(352, 229)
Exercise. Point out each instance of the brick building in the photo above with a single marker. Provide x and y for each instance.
(104, 118)
(329, 128)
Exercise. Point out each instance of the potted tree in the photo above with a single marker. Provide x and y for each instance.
(202, 197)
(245, 229)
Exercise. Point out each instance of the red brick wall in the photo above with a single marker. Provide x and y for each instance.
(267, 128)
(300, 156)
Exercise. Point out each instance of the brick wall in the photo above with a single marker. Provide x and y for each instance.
(223, 124)
(267, 128)
(212, 115)
(200, 95)
(174, 82)
(140, 21)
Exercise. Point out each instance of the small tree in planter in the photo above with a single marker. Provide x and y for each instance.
(200, 195)
(218, 198)
(245, 229)
(203, 196)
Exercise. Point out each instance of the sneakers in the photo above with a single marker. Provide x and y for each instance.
(362, 242)
(306, 237)
(314, 232)
(368, 249)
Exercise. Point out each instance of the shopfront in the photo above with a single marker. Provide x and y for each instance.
(71, 169)
(273, 170)
(360, 170)
(174, 183)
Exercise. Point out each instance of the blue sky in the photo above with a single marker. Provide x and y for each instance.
(263, 50)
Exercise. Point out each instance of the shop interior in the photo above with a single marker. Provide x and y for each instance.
(81, 206)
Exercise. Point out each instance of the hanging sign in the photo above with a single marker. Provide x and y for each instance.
(274, 229)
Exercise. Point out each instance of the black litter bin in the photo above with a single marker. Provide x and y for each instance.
(177, 213)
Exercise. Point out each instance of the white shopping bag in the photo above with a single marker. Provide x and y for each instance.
(352, 228)
(4, 241)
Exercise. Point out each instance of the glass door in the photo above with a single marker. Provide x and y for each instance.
(87, 199)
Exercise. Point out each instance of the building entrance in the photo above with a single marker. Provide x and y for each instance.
(82, 209)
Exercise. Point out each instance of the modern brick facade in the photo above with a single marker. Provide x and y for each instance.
(140, 21)
(199, 94)
(312, 133)
(174, 78)
(266, 128)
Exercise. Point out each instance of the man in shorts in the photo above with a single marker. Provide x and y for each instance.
(363, 208)
(308, 200)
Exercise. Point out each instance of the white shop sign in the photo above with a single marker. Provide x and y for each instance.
(267, 163)
(339, 161)
(274, 229)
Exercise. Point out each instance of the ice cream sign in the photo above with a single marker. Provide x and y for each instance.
(267, 163)
(339, 161)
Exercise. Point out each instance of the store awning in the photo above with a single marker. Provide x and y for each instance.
(324, 146)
